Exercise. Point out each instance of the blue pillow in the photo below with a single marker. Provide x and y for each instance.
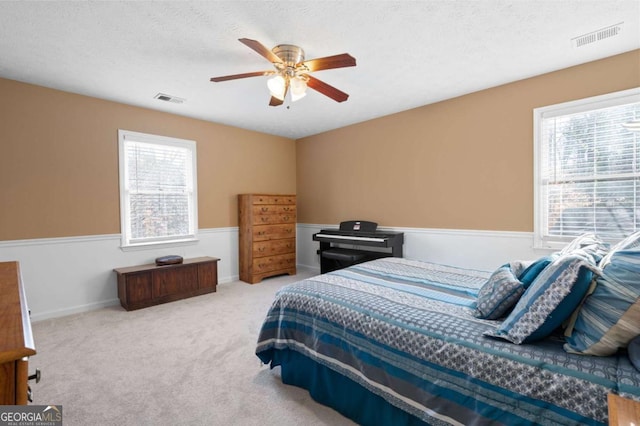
(610, 316)
(532, 271)
(499, 294)
(550, 300)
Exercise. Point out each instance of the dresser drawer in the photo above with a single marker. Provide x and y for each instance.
(270, 248)
(274, 263)
(269, 209)
(274, 218)
(274, 232)
(274, 199)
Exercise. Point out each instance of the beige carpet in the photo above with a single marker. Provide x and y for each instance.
(189, 362)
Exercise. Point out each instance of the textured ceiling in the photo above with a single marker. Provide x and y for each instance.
(409, 53)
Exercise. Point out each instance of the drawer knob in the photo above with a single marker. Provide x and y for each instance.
(36, 376)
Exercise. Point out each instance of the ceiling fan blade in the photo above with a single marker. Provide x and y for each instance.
(327, 90)
(245, 75)
(259, 47)
(329, 62)
(275, 101)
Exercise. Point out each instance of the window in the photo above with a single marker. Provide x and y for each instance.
(158, 194)
(587, 169)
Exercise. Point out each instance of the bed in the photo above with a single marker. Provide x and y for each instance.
(404, 342)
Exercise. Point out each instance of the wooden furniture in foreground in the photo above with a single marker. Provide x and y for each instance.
(267, 236)
(623, 411)
(147, 285)
(16, 338)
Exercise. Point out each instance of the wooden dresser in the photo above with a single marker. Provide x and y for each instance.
(267, 225)
(16, 339)
(623, 411)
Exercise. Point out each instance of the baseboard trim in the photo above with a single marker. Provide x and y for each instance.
(100, 305)
(74, 310)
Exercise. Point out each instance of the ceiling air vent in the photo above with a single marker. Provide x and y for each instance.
(169, 98)
(597, 35)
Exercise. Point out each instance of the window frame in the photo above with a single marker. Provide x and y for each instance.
(542, 241)
(125, 217)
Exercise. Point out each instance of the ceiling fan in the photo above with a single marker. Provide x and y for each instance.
(291, 73)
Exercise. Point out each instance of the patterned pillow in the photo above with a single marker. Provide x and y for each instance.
(609, 317)
(498, 294)
(519, 266)
(550, 300)
(588, 245)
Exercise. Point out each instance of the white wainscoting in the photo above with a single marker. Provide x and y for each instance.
(63, 276)
(472, 249)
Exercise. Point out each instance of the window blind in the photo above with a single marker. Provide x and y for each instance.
(159, 190)
(590, 172)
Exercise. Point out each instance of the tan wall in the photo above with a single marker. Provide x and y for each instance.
(465, 163)
(59, 162)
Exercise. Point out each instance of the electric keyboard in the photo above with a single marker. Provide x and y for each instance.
(383, 239)
(364, 242)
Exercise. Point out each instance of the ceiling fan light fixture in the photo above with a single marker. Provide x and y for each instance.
(298, 89)
(277, 87)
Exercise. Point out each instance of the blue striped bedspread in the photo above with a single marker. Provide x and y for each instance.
(404, 330)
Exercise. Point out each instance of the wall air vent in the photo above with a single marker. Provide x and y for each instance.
(597, 35)
(169, 98)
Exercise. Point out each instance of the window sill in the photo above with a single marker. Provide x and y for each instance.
(549, 246)
(159, 244)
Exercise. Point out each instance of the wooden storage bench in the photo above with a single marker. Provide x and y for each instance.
(147, 285)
